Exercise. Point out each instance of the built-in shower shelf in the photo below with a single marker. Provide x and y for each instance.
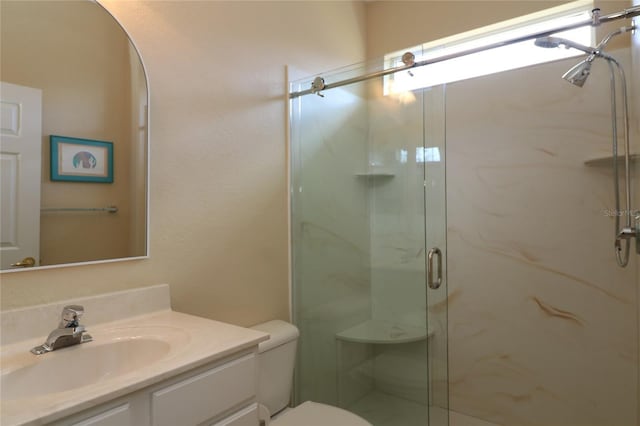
(384, 332)
(376, 174)
(607, 160)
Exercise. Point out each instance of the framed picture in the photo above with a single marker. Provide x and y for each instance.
(81, 160)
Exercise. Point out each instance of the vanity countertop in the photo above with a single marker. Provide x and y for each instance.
(189, 342)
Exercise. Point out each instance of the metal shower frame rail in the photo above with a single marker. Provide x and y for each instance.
(596, 19)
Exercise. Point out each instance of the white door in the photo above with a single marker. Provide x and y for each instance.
(20, 169)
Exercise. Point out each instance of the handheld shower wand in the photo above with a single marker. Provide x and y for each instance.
(577, 76)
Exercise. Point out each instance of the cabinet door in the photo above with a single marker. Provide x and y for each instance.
(206, 395)
(117, 416)
(246, 417)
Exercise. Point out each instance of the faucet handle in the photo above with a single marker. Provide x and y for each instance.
(70, 316)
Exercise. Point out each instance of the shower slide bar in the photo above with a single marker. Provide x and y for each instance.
(319, 84)
(110, 209)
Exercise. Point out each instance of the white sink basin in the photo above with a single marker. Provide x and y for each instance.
(112, 354)
(138, 343)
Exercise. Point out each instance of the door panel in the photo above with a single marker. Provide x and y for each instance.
(436, 238)
(368, 202)
(20, 168)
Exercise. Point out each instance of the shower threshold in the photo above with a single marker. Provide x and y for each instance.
(382, 409)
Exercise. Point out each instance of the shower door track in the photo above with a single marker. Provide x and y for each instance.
(319, 85)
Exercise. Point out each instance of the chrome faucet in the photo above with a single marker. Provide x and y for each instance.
(68, 333)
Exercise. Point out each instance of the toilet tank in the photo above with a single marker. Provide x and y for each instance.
(276, 359)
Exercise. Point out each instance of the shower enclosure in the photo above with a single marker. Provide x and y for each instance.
(503, 186)
(360, 209)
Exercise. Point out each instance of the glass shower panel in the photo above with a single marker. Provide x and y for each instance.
(399, 353)
(367, 181)
(330, 232)
(435, 198)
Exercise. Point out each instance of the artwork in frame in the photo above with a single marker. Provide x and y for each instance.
(81, 160)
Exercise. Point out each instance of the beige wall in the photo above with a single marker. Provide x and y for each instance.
(85, 84)
(218, 164)
(400, 24)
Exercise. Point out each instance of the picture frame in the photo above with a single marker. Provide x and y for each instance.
(81, 160)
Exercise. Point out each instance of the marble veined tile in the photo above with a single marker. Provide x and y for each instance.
(542, 323)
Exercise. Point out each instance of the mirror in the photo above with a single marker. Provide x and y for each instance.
(74, 136)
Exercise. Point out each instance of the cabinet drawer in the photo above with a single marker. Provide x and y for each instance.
(246, 417)
(118, 416)
(201, 397)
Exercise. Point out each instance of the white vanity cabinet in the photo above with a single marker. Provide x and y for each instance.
(121, 414)
(221, 393)
(246, 417)
(146, 366)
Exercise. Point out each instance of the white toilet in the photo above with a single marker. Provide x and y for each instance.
(276, 359)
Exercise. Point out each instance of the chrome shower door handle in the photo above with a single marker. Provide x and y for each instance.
(636, 218)
(434, 284)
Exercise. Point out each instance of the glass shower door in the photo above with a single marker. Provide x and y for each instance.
(368, 203)
(436, 243)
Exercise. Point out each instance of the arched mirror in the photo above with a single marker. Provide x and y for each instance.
(74, 137)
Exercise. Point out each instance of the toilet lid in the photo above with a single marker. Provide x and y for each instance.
(314, 414)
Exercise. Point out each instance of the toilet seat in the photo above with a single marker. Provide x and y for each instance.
(315, 414)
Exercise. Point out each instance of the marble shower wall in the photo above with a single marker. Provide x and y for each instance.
(330, 232)
(543, 325)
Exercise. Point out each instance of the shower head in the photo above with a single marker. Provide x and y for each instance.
(579, 73)
(551, 42)
(548, 42)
